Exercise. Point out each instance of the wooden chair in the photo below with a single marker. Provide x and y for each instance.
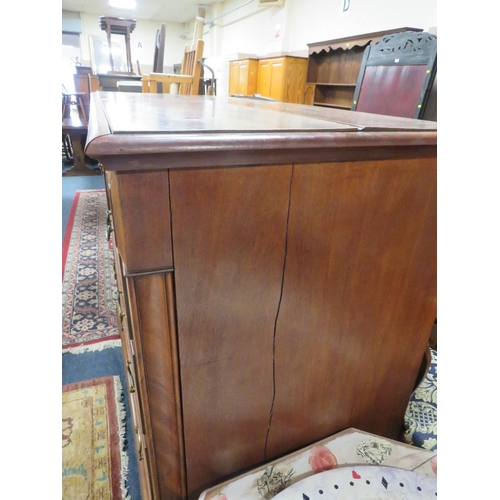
(397, 74)
(188, 80)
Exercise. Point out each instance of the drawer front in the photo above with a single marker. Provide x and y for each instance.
(130, 365)
(152, 320)
(142, 236)
(141, 442)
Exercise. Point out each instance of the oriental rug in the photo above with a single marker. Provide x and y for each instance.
(89, 286)
(94, 465)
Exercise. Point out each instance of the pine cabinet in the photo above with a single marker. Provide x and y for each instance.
(243, 76)
(276, 273)
(333, 68)
(281, 78)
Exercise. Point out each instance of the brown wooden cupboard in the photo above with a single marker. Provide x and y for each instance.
(276, 273)
(243, 76)
(333, 68)
(281, 78)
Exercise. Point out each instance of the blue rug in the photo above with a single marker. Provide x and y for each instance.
(102, 360)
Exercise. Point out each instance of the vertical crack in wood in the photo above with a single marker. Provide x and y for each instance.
(176, 352)
(277, 314)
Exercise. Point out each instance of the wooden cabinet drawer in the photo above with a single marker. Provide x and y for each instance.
(140, 438)
(150, 248)
(133, 390)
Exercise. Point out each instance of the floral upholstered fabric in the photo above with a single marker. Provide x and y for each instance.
(421, 413)
(350, 447)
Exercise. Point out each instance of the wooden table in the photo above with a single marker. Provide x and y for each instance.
(349, 447)
(76, 129)
(77, 100)
(74, 124)
(109, 81)
(276, 269)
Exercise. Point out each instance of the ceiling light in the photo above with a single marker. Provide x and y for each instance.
(123, 4)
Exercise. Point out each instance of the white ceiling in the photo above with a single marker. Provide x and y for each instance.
(180, 11)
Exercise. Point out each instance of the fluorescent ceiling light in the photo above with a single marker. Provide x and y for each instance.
(123, 4)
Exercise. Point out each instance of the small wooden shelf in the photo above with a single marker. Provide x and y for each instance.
(333, 68)
(334, 95)
(325, 84)
(326, 105)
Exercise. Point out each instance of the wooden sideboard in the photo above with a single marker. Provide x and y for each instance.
(276, 270)
(282, 78)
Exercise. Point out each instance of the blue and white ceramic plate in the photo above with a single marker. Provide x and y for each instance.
(362, 482)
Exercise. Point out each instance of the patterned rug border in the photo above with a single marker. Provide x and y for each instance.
(119, 419)
(93, 346)
(71, 220)
(100, 313)
(69, 229)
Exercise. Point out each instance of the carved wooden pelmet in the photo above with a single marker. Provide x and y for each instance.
(409, 47)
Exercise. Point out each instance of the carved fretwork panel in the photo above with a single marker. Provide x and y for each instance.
(409, 47)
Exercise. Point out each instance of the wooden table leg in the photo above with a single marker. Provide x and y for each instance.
(79, 167)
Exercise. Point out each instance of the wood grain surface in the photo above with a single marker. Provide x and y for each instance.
(141, 215)
(279, 271)
(359, 298)
(151, 304)
(229, 232)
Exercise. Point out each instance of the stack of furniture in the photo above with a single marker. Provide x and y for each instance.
(276, 274)
(117, 26)
(135, 85)
(189, 79)
(333, 68)
(281, 78)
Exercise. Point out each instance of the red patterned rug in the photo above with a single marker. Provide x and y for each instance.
(93, 463)
(89, 286)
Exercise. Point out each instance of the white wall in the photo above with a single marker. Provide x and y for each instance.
(253, 29)
(317, 20)
(265, 31)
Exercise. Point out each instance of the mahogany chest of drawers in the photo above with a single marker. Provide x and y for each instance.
(276, 268)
